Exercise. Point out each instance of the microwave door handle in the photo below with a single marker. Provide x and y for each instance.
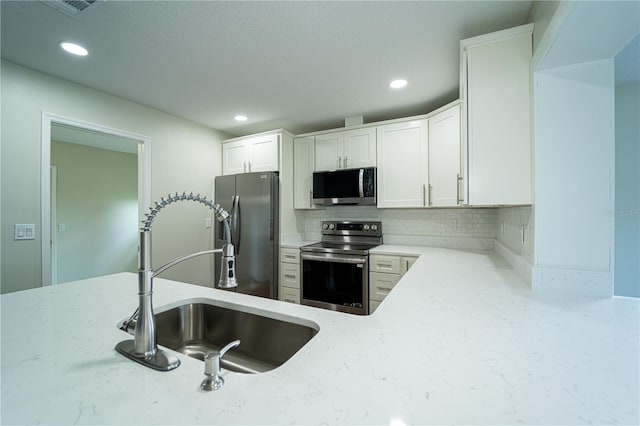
(361, 183)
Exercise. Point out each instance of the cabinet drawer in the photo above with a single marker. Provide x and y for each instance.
(290, 295)
(290, 255)
(380, 285)
(383, 263)
(290, 275)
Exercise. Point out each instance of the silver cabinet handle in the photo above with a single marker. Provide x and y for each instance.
(310, 198)
(245, 167)
(249, 166)
(424, 194)
(430, 190)
(345, 162)
(459, 181)
(339, 162)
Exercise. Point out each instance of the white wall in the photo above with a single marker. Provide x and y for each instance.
(627, 206)
(541, 13)
(574, 158)
(96, 196)
(574, 143)
(185, 157)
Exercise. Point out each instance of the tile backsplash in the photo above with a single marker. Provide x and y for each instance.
(468, 228)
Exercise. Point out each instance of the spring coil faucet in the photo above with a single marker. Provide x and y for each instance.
(143, 348)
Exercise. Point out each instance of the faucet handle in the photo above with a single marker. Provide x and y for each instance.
(213, 380)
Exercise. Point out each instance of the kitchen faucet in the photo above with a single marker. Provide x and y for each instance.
(143, 348)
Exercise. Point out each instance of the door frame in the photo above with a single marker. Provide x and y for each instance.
(144, 177)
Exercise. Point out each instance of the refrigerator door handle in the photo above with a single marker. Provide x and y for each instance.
(235, 224)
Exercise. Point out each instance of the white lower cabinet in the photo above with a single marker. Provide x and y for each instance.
(289, 285)
(384, 273)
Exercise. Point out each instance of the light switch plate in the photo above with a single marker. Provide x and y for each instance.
(24, 231)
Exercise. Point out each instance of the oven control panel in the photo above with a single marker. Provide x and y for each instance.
(373, 229)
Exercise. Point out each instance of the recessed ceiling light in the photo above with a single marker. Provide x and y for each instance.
(240, 117)
(74, 49)
(398, 84)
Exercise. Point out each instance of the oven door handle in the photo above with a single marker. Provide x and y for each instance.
(335, 258)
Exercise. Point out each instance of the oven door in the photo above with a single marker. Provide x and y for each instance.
(335, 281)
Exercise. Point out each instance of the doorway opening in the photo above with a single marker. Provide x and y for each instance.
(96, 183)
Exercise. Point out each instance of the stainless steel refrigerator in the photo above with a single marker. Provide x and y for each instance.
(252, 201)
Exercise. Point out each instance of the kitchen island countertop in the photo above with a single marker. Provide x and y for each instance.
(460, 340)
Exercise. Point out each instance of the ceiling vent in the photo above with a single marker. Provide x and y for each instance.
(69, 7)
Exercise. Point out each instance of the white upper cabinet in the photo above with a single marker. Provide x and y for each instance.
(359, 148)
(257, 153)
(328, 151)
(346, 150)
(403, 164)
(495, 90)
(303, 168)
(444, 158)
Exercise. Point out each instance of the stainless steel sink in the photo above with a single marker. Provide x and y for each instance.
(195, 329)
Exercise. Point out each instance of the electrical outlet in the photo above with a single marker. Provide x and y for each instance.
(207, 222)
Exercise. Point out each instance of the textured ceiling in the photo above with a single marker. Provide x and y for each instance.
(302, 66)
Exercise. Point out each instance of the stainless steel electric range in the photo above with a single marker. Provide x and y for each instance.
(335, 271)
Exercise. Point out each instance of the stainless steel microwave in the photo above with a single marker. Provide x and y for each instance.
(347, 186)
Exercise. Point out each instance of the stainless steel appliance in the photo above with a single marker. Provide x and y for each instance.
(252, 200)
(335, 271)
(349, 186)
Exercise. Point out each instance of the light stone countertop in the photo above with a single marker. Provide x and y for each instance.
(460, 340)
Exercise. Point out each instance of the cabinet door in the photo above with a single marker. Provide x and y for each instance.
(359, 148)
(498, 120)
(406, 263)
(444, 156)
(329, 151)
(234, 158)
(402, 164)
(303, 168)
(263, 154)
